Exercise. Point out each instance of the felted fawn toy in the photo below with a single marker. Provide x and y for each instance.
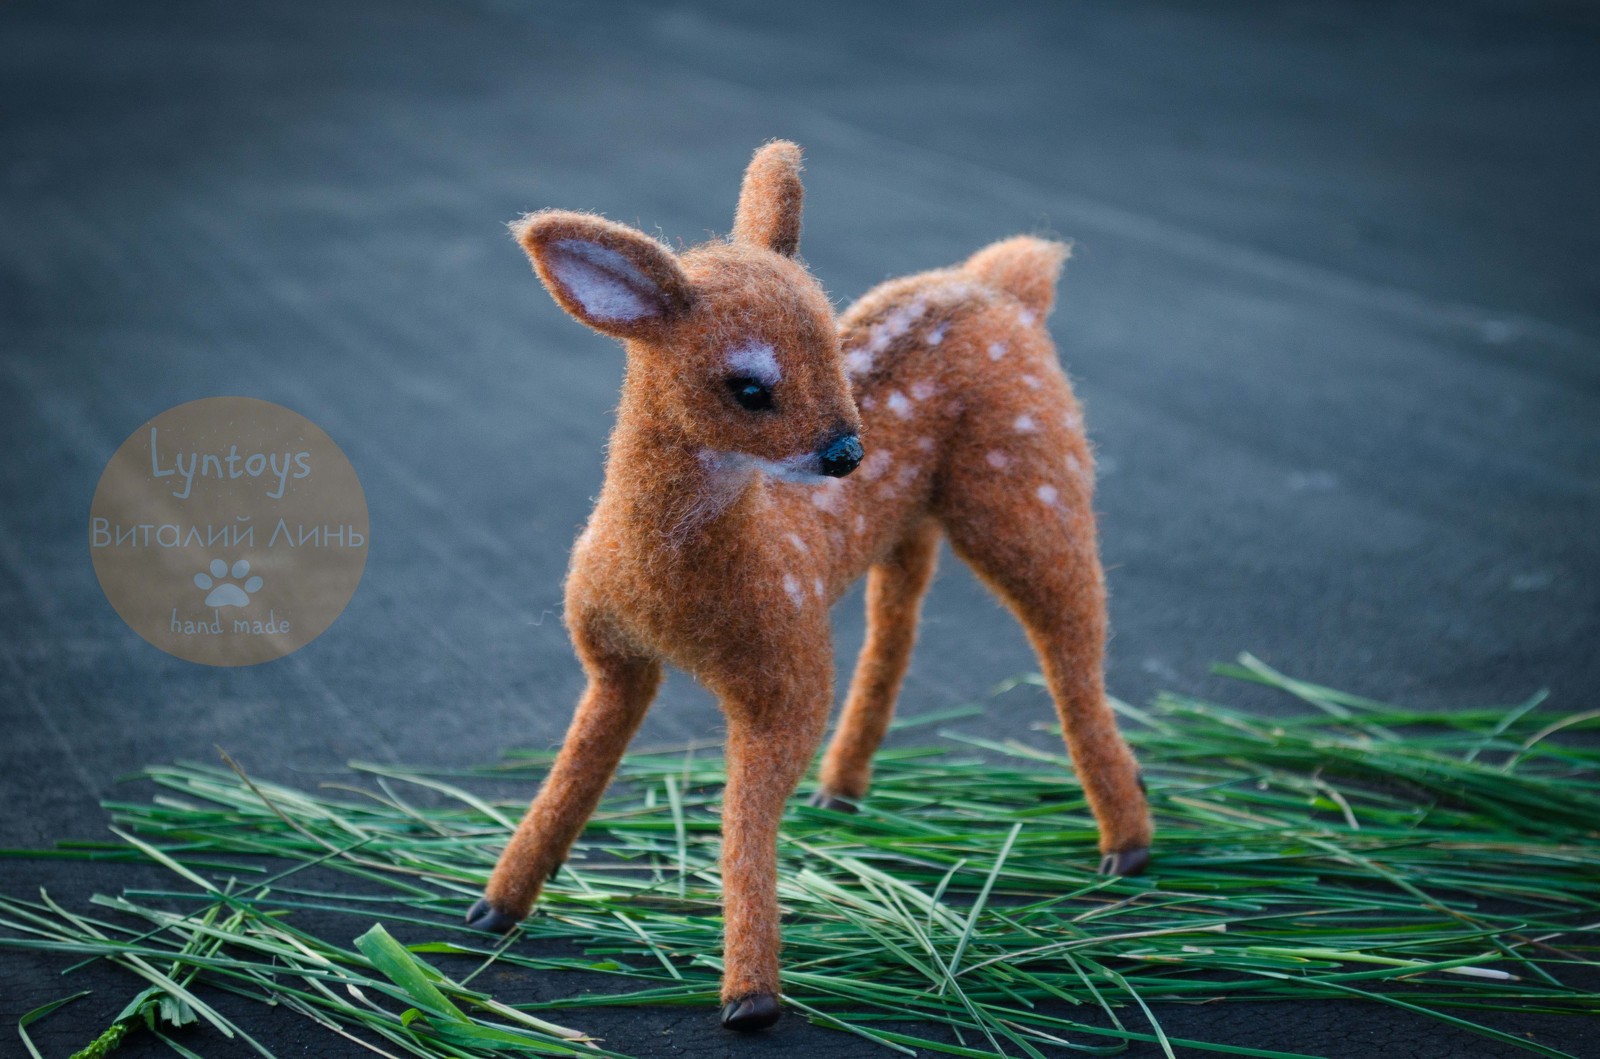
(730, 521)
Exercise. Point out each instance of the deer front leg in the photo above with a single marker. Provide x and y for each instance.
(768, 751)
(619, 692)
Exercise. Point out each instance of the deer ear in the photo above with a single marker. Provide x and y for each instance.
(612, 277)
(770, 200)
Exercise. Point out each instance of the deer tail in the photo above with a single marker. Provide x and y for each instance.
(1024, 266)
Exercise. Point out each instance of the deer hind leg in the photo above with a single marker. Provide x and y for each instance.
(1029, 533)
(895, 589)
(620, 690)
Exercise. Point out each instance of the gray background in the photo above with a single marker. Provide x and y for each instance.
(1333, 314)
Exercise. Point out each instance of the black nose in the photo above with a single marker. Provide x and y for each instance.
(842, 455)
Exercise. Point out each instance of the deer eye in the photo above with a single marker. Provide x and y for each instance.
(753, 395)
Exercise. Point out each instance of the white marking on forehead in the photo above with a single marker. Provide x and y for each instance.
(922, 389)
(794, 539)
(997, 350)
(1024, 424)
(899, 405)
(1048, 494)
(1032, 382)
(605, 283)
(756, 360)
(875, 464)
(1026, 316)
(792, 586)
(858, 361)
(997, 459)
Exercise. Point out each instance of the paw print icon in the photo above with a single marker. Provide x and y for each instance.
(234, 592)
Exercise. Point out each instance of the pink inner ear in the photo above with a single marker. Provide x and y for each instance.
(604, 282)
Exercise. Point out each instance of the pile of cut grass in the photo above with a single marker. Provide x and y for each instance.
(1444, 863)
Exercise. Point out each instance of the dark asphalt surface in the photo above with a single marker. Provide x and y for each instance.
(1333, 313)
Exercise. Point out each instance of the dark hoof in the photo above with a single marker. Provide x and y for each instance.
(751, 1013)
(824, 800)
(1128, 862)
(484, 916)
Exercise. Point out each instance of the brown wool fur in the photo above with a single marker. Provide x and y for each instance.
(699, 554)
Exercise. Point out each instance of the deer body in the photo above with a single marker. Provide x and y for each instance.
(730, 521)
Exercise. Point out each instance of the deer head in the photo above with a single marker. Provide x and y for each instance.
(731, 345)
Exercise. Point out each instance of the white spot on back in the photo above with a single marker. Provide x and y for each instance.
(908, 474)
(875, 464)
(899, 405)
(998, 460)
(792, 587)
(794, 539)
(858, 361)
(937, 335)
(756, 360)
(1031, 382)
(925, 444)
(1071, 420)
(1024, 424)
(1048, 494)
(826, 497)
(869, 402)
(897, 323)
(997, 350)
(922, 389)
(819, 588)
(957, 289)
(1026, 317)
